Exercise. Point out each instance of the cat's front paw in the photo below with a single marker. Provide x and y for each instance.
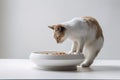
(78, 53)
(71, 52)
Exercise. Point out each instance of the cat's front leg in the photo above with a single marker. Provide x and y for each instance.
(74, 47)
(80, 47)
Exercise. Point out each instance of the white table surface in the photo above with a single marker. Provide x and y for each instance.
(25, 69)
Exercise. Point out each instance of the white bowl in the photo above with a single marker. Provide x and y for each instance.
(50, 60)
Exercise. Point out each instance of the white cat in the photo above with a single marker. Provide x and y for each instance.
(86, 34)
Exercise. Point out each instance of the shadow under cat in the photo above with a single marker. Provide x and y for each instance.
(90, 69)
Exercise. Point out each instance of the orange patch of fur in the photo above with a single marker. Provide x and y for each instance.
(92, 22)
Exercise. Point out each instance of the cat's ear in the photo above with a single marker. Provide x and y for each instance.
(61, 28)
(51, 27)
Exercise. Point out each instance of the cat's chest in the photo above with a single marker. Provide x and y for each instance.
(74, 36)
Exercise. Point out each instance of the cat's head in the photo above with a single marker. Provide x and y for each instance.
(59, 32)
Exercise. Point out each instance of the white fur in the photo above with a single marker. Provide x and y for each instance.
(83, 37)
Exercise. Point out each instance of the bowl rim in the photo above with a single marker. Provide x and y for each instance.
(35, 55)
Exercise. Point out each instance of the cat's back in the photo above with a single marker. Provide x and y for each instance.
(85, 24)
(76, 22)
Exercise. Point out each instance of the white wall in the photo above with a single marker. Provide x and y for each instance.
(24, 24)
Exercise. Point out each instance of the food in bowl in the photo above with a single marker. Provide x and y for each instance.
(53, 53)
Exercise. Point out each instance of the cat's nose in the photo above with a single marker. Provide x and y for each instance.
(57, 41)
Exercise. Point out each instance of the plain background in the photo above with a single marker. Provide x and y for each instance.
(24, 25)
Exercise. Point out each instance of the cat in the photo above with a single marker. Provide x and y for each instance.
(86, 34)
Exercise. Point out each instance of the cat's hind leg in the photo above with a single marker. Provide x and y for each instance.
(91, 50)
(89, 58)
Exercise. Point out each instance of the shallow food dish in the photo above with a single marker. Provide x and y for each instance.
(56, 60)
